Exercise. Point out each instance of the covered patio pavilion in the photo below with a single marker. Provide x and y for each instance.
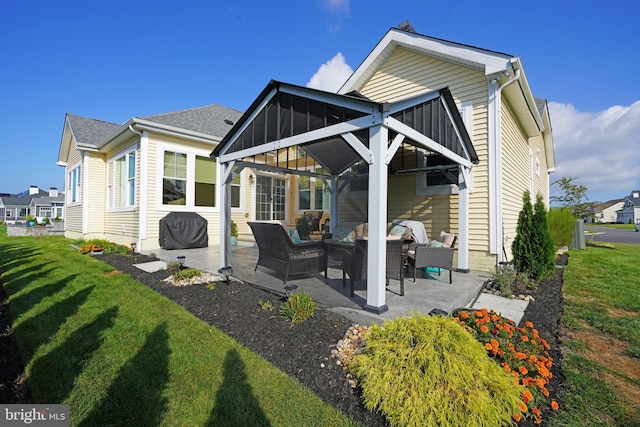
(292, 129)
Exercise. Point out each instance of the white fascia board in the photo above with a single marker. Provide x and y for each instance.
(426, 142)
(489, 62)
(516, 64)
(314, 135)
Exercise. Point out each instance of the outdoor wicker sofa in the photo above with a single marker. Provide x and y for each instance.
(276, 251)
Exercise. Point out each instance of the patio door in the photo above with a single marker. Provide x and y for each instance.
(270, 198)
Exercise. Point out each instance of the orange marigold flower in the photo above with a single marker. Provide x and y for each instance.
(528, 324)
(464, 314)
(554, 405)
(524, 338)
(533, 342)
(517, 418)
(526, 396)
(495, 331)
(522, 406)
(521, 355)
(484, 311)
(523, 370)
(484, 329)
(536, 411)
(541, 382)
(506, 366)
(488, 346)
(538, 421)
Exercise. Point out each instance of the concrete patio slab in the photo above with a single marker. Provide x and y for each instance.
(510, 308)
(428, 292)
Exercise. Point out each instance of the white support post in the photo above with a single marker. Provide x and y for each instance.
(463, 219)
(377, 244)
(225, 214)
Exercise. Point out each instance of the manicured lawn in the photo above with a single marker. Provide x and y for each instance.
(121, 354)
(602, 353)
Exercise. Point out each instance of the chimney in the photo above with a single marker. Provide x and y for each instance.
(53, 192)
(33, 190)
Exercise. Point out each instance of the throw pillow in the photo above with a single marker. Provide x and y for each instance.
(340, 233)
(435, 244)
(446, 239)
(295, 237)
(397, 230)
(351, 237)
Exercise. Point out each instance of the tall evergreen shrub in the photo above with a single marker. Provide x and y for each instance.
(522, 247)
(546, 248)
(533, 248)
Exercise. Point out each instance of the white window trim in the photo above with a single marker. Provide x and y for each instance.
(312, 196)
(189, 205)
(126, 207)
(77, 181)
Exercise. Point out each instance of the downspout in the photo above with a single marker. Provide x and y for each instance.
(142, 193)
(495, 181)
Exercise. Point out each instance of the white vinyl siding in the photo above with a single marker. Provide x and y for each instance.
(406, 74)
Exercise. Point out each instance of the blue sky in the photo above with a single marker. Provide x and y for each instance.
(116, 60)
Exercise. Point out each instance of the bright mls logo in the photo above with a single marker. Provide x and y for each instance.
(37, 415)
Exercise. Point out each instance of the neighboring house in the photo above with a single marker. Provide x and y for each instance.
(425, 129)
(34, 202)
(630, 212)
(121, 180)
(607, 212)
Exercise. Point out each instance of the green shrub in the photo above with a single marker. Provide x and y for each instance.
(532, 248)
(501, 278)
(298, 308)
(187, 273)
(546, 250)
(424, 370)
(562, 223)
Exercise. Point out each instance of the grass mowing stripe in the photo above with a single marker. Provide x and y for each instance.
(121, 354)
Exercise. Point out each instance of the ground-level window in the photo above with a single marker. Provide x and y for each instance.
(122, 180)
(174, 181)
(191, 178)
(205, 181)
(73, 184)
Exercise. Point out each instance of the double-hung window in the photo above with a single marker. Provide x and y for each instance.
(122, 180)
(190, 179)
(174, 180)
(73, 184)
(311, 194)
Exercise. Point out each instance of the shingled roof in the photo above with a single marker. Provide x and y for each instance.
(88, 131)
(215, 119)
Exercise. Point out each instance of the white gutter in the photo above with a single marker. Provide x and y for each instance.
(496, 242)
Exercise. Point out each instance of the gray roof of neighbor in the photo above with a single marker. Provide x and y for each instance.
(215, 120)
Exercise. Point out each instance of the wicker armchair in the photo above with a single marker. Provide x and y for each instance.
(422, 255)
(277, 251)
(354, 263)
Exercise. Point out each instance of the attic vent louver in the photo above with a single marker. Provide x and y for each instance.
(406, 26)
(229, 122)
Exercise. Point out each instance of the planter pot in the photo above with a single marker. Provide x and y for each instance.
(234, 240)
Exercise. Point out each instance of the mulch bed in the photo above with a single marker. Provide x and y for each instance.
(302, 352)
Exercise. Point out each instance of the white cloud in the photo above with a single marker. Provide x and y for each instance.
(601, 149)
(331, 75)
(336, 5)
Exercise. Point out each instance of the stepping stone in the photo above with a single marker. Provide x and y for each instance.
(152, 267)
